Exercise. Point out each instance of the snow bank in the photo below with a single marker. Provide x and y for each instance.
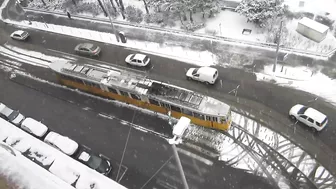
(301, 78)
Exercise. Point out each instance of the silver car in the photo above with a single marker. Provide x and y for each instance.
(87, 49)
(11, 115)
(20, 35)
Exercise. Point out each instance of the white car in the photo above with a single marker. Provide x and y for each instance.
(10, 115)
(62, 143)
(137, 60)
(308, 116)
(207, 75)
(34, 127)
(20, 35)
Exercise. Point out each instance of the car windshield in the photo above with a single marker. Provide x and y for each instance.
(94, 161)
(103, 167)
(195, 71)
(324, 121)
(146, 59)
(24, 34)
(13, 115)
(302, 110)
(94, 47)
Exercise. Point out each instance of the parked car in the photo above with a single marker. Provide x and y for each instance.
(20, 35)
(88, 49)
(140, 60)
(99, 162)
(11, 115)
(308, 116)
(62, 143)
(207, 75)
(34, 127)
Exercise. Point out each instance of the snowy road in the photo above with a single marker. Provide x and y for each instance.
(227, 153)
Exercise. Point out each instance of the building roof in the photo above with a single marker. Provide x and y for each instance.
(313, 25)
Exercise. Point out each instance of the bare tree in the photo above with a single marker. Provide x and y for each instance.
(122, 8)
(44, 3)
(146, 7)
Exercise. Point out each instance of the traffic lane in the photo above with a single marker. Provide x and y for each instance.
(277, 98)
(144, 154)
(103, 135)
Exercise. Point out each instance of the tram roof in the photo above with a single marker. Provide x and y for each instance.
(121, 79)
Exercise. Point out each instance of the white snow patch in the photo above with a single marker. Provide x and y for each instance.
(23, 58)
(33, 53)
(302, 78)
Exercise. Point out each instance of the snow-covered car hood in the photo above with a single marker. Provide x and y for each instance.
(294, 110)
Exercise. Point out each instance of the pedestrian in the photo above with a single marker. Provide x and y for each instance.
(69, 16)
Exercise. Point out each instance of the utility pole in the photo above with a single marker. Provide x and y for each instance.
(178, 131)
(113, 28)
(178, 161)
(277, 49)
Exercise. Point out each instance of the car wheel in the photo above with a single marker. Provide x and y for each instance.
(188, 78)
(315, 130)
(207, 83)
(292, 117)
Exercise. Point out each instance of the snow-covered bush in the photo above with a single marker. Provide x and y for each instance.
(259, 11)
(86, 7)
(133, 14)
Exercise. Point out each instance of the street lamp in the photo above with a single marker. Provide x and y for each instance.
(178, 131)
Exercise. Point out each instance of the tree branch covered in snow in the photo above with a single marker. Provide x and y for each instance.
(259, 11)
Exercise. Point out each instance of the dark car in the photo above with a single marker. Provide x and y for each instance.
(87, 49)
(99, 162)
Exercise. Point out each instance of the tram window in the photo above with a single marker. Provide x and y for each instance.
(175, 108)
(155, 102)
(112, 90)
(123, 93)
(208, 118)
(200, 116)
(137, 97)
(95, 85)
(188, 112)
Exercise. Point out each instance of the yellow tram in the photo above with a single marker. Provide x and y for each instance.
(140, 91)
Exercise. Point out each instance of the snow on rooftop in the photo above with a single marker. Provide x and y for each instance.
(313, 25)
(25, 173)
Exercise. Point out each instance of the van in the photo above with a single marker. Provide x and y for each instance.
(207, 75)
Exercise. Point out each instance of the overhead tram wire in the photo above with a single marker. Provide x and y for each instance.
(128, 135)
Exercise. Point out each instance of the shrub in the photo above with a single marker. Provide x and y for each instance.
(133, 14)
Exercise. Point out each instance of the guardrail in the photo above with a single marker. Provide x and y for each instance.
(204, 36)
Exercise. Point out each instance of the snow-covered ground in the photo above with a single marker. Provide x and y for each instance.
(24, 173)
(301, 78)
(228, 23)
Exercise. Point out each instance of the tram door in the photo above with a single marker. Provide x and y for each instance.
(210, 120)
(165, 106)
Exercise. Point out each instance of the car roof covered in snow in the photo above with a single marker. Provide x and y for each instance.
(64, 143)
(314, 114)
(139, 56)
(36, 127)
(19, 32)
